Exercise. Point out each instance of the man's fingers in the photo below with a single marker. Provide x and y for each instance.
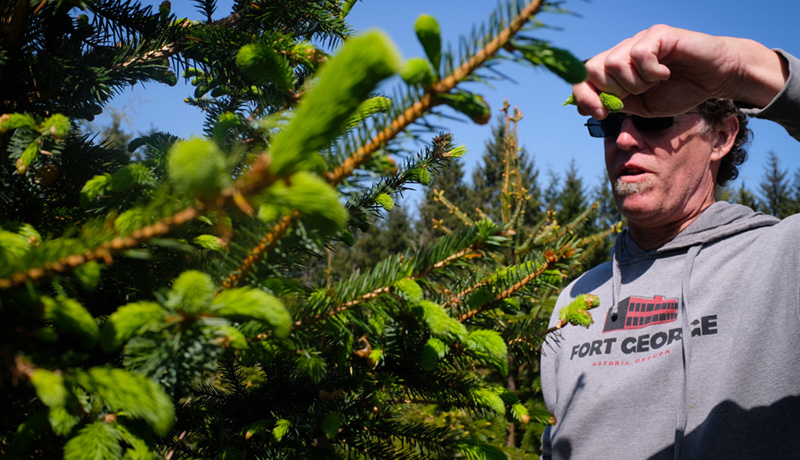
(588, 101)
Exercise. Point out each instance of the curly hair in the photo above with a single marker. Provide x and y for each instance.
(714, 111)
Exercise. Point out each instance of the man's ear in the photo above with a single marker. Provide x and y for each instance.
(724, 137)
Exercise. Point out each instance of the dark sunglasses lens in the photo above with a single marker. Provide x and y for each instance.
(604, 128)
(650, 125)
(595, 128)
(612, 125)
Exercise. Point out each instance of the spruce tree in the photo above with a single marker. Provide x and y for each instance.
(161, 306)
(776, 189)
(488, 177)
(447, 195)
(571, 200)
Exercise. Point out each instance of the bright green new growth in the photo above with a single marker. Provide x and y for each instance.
(489, 346)
(371, 106)
(488, 398)
(427, 30)
(432, 352)
(417, 72)
(281, 427)
(559, 61)
(611, 102)
(344, 83)
(471, 105)
(420, 175)
(409, 290)
(475, 450)
(71, 318)
(49, 387)
(99, 438)
(576, 313)
(244, 304)
(385, 201)
(197, 166)
(57, 126)
(129, 320)
(192, 292)
(309, 194)
(439, 322)
(133, 394)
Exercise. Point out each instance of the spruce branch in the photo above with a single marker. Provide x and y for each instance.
(439, 196)
(417, 110)
(551, 261)
(433, 98)
(171, 49)
(341, 308)
(105, 251)
(258, 252)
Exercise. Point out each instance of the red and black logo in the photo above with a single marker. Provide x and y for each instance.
(638, 312)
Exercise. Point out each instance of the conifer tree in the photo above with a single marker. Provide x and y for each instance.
(744, 196)
(437, 214)
(571, 200)
(161, 307)
(488, 177)
(776, 189)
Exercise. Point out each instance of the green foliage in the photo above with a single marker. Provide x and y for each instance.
(130, 320)
(132, 394)
(97, 441)
(71, 318)
(197, 167)
(427, 29)
(610, 101)
(168, 299)
(471, 105)
(253, 304)
(559, 61)
(343, 85)
(576, 312)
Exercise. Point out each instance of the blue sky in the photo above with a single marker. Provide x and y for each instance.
(555, 135)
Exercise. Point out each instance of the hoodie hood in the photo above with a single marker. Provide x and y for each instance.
(718, 221)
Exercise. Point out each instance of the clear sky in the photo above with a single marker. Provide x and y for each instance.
(555, 135)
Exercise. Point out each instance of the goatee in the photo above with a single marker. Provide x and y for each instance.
(622, 188)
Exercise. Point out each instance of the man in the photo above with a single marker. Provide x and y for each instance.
(695, 348)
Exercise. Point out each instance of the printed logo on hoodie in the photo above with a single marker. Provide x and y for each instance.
(640, 312)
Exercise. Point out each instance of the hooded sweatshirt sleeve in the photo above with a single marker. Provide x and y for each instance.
(784, 109)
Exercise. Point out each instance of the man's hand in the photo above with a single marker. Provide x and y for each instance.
(666, 71)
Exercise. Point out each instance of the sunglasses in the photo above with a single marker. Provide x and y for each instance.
(612, 124)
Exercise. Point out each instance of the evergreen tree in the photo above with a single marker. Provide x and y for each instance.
(445, 201)
(776, 190)
(162, 307)
(391, 235)
(571, 200)
(488, 177)
(744, 196)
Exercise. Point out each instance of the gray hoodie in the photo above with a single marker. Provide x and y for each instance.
(695, 349)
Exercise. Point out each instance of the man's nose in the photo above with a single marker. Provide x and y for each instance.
(629, 137)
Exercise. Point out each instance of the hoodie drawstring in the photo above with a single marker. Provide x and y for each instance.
(683, 410)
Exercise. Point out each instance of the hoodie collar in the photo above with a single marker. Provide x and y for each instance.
(718, 221)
